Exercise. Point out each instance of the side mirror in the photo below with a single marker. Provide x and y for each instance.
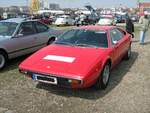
(17, 36)
(51, 40)
(56, 38)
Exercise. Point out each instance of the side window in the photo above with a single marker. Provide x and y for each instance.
(26, 28)
(41, 27)
(123, 32)
(120, 34)
(115, 35)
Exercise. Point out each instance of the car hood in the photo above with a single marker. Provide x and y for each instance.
(64, 61)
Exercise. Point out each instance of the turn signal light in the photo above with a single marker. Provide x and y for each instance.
(74, 82)
(25, 73)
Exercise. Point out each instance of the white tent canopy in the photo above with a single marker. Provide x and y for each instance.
(51, 11)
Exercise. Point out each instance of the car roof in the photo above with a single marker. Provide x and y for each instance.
(17, 20)
(96, 27)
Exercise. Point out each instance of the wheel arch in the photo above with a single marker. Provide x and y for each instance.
(109, 61)
(3, 50)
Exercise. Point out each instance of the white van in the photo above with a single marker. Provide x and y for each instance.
(64, 20)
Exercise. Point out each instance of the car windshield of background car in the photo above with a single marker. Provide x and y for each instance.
(7, 28)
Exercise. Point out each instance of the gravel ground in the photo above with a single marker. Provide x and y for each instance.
(128, 91)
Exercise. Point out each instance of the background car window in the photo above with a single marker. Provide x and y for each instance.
(26, 29)
(7, 28)
(41, 27)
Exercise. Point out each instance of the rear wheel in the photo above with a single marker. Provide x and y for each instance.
(3, 59)
(103, 79)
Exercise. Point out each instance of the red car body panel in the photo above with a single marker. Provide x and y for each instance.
(87, 62)
(46, 21)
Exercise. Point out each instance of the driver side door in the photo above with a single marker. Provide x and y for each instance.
(116, 45)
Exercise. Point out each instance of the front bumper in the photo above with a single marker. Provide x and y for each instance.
(54, 79)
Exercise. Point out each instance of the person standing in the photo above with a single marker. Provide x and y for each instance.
(82, 18)
(144, 22)
(129, 26)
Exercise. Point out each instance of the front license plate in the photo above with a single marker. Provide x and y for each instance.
(45, 79)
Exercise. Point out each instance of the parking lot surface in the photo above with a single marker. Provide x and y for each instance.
(128, 90)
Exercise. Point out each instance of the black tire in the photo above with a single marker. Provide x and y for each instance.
(3, 59)
(128, 54)
(101, 84)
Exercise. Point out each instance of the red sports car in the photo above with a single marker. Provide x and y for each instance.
(80, 57)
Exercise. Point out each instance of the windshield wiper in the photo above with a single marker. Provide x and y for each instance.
(86, 45)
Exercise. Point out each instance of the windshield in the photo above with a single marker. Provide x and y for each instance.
(84, 38)
(7, 28)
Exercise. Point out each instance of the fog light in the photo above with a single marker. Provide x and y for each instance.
(23, 71)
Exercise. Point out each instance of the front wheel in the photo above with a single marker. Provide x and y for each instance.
(103, 79)
(2, 59)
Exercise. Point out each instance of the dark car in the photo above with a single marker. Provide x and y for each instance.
(120, 18)
(134, 18)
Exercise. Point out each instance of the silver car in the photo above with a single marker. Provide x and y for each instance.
(19, 36)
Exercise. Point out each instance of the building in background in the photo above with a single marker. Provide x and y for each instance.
(46, 4)
(1, 11)
(144, 8)
(24, 9)
(54, 6)
(41, 3)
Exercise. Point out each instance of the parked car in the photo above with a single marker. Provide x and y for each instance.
(80, 58)
(134, 18)
(46, 20)
(85, 20)
(64, 20)
(19, 36)
(106, 21)
(120, 18)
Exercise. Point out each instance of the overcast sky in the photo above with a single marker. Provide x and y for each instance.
(77, 3)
